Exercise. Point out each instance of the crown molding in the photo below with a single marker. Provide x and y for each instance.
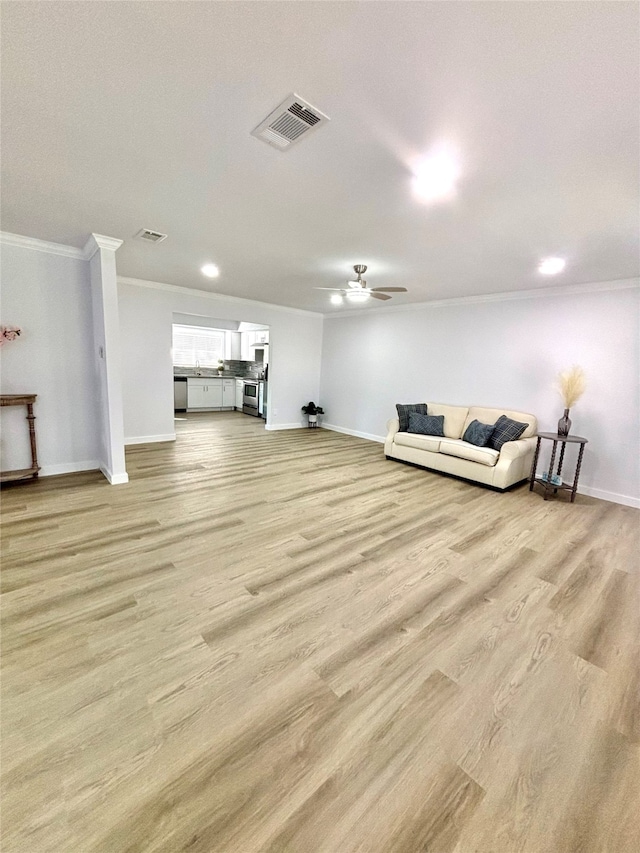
(95, 242)
(216, 297)
(36, 245)
(99, 241)
(507, 296)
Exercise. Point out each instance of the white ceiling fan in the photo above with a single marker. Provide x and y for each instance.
(357, 291)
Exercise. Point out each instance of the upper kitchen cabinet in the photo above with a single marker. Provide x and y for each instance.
(252, 341)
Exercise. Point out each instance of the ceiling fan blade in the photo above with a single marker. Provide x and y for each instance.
(336, 289)
(390, 289)
(378, 295)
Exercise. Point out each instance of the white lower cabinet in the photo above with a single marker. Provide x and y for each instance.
(239, 393)
(204, 393)
(228, 393)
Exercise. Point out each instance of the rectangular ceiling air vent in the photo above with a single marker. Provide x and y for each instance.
(151, 236)
(291, 120)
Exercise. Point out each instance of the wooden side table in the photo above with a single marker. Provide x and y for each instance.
(22, 473)
(547, 484)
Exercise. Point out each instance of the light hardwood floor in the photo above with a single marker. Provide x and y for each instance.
(281, 641)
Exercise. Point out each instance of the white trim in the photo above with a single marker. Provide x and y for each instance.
(69, 468)
(207, 294)
(114, 479)
(149, 439)
(36, 245)
(614, 497)
(506, 296)
(285, 426)
(99, 241)
(369, 436)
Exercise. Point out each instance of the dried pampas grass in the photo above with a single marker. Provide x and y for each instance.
(571, 385)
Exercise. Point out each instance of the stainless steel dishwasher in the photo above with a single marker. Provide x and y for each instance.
(180, 393)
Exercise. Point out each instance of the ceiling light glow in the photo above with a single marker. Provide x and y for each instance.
(210, 270)
(435, 177)
(551, 266)
(336, 298)
(357, 296)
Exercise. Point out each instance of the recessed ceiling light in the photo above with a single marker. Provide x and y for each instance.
(551, 266)
(210, 270)
(336, 298)
(435, 177)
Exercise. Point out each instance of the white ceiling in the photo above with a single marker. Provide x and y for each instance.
(118, 116)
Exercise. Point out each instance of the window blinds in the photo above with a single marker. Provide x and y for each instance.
(193, 344)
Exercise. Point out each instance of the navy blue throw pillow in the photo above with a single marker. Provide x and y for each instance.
(505, 430)
(426, 424)
(405, 410)
(478, 433)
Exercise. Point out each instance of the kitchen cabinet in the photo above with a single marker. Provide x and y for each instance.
(251, 340)
(246, 351)
(208, 392)
(239, 393)
(204, 393)
(228, 393)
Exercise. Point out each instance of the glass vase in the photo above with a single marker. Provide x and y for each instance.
(564, 424)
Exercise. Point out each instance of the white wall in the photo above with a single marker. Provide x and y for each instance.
(502, 353)
(146, 315)
(48, 295)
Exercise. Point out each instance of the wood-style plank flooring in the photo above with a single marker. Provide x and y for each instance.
(283, 642)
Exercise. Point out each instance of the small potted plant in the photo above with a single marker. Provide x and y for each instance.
(220, 367)
(312, 411)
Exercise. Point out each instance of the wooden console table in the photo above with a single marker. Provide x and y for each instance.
(22, 473)
(563, 485)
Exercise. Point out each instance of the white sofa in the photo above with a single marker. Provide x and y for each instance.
(451, 455)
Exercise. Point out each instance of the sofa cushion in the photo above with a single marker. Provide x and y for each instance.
(478, 434)
(490, 416)
(426, 424)
(454, 418)
(505, 430)
(464, 450)
(404, 409)
(419, 442)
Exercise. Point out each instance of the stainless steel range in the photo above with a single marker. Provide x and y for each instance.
(254, 398)
(251, 397)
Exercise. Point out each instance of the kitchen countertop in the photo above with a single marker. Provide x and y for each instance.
(204, 376)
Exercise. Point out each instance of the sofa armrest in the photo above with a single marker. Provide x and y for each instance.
(393, 426)
(514, 449)
(514, 462)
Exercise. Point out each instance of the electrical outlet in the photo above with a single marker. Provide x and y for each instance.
(275, 411)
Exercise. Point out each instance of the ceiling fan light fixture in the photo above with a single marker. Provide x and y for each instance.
(357, 296)
(336, 298)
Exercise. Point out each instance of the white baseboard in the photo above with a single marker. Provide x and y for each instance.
(368, 435)
(149, 439)
(601, 494)
(614, 497)
(285, 426)
(69, 468)
(114, 479)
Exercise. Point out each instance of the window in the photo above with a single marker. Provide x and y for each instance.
(193, 344)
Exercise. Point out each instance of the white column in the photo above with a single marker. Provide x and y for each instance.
(101, 254)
